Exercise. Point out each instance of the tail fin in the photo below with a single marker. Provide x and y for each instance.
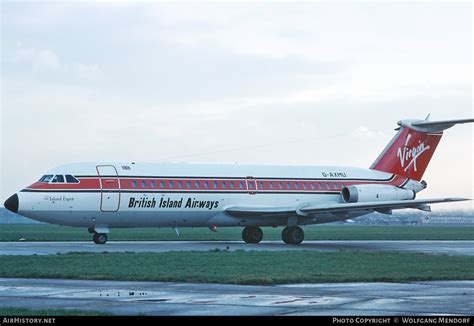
(409, 152)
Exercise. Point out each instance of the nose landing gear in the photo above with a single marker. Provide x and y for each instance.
(100, 234)
(99, 238)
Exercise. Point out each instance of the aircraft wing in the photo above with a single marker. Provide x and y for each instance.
(309, 209)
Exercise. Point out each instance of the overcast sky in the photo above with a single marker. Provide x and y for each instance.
(269, 83)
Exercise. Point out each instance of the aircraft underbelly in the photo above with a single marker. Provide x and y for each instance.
(160, 210)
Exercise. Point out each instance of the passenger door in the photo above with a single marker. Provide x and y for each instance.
(109, 187)
(251, 185)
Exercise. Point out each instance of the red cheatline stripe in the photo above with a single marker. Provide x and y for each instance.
(204, 185)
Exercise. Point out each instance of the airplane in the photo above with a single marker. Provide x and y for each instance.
(103, 195)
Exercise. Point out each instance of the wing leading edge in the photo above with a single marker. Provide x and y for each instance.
(337, 208)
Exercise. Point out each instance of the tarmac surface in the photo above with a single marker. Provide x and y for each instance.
(155, 298)
(464, 248)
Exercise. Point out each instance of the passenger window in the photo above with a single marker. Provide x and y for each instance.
(170, 184)
(214, 184)
(320, 185)
(304, 186)
(180, 184)
(335, 185)
(260, 185)
(197, 184)
(312, 185)
(162, 184)
(271, 185)
(143, 184)
(280, 185)
(188, 184)
(71, 179)
(58, 178)
(328, 185)
(288, 186)
(152, 184)
(241, 185)
(206, 184)
(134, 184)
(296, 185)
(46, 178)
(231, 185)
(223, 185)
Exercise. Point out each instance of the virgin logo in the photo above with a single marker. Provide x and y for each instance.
(409, 155)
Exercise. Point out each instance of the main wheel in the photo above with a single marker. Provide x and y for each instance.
(284, 235)
(292, 235)
(252, 234)
(100, 238)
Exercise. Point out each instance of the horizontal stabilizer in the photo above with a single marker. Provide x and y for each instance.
(432, 126)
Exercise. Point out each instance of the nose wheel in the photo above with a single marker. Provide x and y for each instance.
(292, 235)
(99, 238)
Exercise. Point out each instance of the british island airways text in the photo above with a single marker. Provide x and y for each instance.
(144, 202)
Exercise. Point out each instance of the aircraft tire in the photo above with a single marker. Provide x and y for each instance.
(100, 238)
(252, 234)
(284, 235)
(293, 235)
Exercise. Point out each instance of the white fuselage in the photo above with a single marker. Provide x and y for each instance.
(123, 195)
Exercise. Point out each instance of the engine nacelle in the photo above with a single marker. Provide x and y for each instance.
(364, 193)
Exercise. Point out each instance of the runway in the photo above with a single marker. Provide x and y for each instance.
(155, 298)
(465, 248)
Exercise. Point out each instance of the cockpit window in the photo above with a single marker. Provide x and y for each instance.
(71, 179)
(58, 178)
(46, 178)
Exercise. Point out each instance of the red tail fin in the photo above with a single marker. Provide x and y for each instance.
(409, 153)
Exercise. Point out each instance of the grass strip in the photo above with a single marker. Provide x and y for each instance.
(243, 267)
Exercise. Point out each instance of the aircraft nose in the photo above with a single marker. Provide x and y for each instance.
(12, 203)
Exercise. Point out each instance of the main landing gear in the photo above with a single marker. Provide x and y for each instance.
(99, 238)
(292, 235)
(252, 234)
